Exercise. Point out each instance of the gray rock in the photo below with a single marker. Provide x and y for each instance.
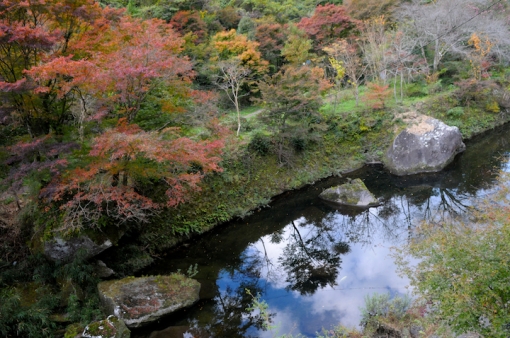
(110, 327)
(427, 147)
(353, 193)
(138, 301)
(64, 250)
(102, 271)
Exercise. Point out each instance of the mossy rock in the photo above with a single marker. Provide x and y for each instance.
(139, 301)
(353, 193)
(88, 243)
(73, 330)
(429, 145)
(110, 327)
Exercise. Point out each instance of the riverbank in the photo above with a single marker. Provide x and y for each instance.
(250, 180)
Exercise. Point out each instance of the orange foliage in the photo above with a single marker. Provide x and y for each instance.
(229, 45)
(377, 94)
(122, 158)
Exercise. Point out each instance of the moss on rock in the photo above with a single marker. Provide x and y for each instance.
(110, 327)
(138, 301)
(353, 193)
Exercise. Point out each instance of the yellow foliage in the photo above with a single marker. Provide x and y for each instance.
(338, 67)
(482, 47)
(493, 107)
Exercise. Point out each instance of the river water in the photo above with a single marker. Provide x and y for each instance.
(314, 263)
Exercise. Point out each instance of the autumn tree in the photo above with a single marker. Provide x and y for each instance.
(271, 38)
(350, 60)
(33, 33)
(292, 98)
(329, 22)
(231, 78)
(68, 79)
(234, 56)
(119, 73)
(127, 166)
(144, 51)
(478, 57)
(377, 94)
(298, 47)
(229, 45)
(109, 65)
(186, 22)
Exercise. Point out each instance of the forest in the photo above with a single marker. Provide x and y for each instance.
(151, 121)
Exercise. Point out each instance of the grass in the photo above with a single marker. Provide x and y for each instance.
(247, 110)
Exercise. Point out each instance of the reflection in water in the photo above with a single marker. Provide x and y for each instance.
(313, 262)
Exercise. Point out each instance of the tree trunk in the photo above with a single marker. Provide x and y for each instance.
(356, 93)
(238, 117)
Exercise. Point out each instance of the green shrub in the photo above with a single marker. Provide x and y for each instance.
(19, 321)
(299, 143)
(416, 89)
(379, 306)
(260, 144)
(455, 113)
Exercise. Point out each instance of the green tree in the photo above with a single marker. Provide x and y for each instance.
(283, 10)
(292, 98)
(297, 49)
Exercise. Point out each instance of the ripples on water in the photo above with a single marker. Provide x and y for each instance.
(314, 263)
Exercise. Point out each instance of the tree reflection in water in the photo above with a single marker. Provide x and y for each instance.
(229, 315)
(313, 262)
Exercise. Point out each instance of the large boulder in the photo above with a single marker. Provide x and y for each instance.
(88, 243)
(139, 301)
(353, 193)
(64, 250)
(427, 146)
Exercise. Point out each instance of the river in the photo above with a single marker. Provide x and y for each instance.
(314, 263)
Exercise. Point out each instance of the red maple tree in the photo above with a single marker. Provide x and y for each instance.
(329, 22)
(125, 165)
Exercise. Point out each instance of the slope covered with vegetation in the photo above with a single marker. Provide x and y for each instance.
(163, 118)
